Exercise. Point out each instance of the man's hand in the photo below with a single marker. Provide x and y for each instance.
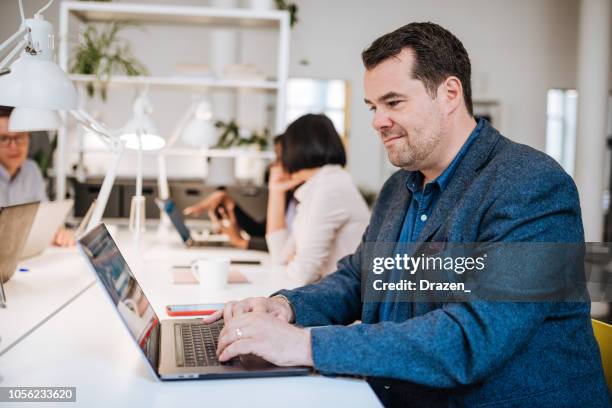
(64, 238)
(275, 307)
(210, 203)
(266, 336)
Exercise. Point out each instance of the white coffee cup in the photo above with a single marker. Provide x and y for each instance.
(212, 273)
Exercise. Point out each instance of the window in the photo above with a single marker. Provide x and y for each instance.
(561, 117)
(318, 96)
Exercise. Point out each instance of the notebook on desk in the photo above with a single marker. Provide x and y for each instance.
(176, 348)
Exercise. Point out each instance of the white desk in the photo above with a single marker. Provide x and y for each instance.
(85, 345)
(53, 279)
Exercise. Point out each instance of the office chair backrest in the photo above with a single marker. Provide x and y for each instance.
(603, 334)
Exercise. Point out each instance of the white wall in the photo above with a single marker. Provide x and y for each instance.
(519, 49)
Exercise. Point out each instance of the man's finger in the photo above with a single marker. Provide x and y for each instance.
(213, 317)
(228, 313)
(229, 335)
(259, 306)
(241, 308)
(237, 348)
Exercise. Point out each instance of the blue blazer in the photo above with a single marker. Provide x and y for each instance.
(493, 354)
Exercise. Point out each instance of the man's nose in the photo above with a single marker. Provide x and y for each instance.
(381, 121)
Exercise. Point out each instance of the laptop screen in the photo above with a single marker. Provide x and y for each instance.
(175, 216)
(114, 273)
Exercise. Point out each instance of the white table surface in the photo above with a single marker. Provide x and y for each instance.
(53, 279)
(86, 345)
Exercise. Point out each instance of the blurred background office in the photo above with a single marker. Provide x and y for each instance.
(541, 73)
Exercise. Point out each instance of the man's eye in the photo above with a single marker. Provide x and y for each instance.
(372, 108)
(393, 103)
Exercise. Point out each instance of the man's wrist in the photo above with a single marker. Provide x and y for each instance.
(308, 361)
(290, 308)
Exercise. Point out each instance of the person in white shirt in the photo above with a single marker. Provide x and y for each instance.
(20, 178)
(331, 215)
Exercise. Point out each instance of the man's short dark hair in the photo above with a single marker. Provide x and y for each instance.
(309, 142)
(5, 111)
(438, 55)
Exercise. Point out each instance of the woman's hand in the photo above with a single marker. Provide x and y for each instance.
(280, 180)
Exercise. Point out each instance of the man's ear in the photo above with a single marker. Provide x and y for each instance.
(452, 93)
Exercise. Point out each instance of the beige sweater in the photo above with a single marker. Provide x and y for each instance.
(330, 219)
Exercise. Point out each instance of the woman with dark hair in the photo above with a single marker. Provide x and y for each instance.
(331, 214)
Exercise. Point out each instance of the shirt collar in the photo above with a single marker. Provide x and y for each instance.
(414, 181)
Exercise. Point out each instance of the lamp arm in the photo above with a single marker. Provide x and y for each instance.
(117, 147)
(180, 127)
(11, 55)
(23, 29)
(92, 124)
(107, 185)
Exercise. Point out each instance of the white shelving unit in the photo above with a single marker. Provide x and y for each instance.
(95, 12)
(178, 82)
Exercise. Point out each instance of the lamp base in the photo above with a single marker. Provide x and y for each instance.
(137, 214)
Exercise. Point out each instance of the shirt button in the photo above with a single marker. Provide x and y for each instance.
(423, 217)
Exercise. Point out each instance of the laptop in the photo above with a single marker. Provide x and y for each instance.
(176, 348)
(190, 238)
(15, 224)
(49, 217)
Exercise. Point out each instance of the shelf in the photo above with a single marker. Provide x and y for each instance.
(267, 154)
(168, 14)
(186, 152)
(180, 82)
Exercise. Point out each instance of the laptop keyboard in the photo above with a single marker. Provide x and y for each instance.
(196, 344)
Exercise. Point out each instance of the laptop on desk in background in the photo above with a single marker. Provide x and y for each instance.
(15, 224)
(190, 238)
(49, 217)
(176, 348)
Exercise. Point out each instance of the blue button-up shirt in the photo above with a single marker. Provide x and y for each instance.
(422, 203)
(26, 186)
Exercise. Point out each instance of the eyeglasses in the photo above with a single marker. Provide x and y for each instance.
(20, 140)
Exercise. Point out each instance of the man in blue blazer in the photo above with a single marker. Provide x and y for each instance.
(459, 181)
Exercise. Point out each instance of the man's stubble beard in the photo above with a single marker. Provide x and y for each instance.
(412, 150)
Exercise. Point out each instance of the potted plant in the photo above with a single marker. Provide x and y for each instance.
(231, 135)
(102, 53)
(291, 8)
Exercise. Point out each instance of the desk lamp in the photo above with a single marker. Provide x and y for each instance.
(140, 133)
(34, 80)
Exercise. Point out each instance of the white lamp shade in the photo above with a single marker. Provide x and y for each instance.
(199, 133)
(141, 129)
(149, 141)
(37, 83)
(32, 119)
